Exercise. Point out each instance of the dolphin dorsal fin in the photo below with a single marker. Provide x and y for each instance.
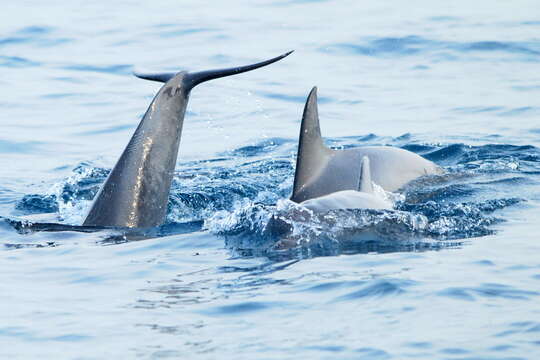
(311, 149)
(365, 184)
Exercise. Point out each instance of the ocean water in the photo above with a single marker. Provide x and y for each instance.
(238, 271)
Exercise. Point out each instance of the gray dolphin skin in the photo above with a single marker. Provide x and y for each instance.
(136, 192)
(362, 198)
(321, 171)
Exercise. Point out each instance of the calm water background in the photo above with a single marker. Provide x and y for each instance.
(458, 83)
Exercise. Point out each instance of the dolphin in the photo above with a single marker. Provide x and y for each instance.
(321, 171)
(363, 198)
(136, 192)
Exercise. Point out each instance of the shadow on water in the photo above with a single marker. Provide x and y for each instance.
(240, 197)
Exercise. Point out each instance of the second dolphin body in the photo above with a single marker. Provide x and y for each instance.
(327, 179)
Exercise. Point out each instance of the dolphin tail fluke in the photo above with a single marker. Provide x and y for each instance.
(193, 79)
(311, 148)
(365, 184)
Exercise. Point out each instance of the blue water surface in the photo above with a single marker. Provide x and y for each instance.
(238, 271)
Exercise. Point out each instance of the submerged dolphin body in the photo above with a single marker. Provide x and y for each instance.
(321, 171)
(136, 191)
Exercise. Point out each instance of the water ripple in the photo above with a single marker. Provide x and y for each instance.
(17, 62)
(117, 69)
(377, 289)
(39, 36)
(243, 308)
(488, 291)
(440, 50)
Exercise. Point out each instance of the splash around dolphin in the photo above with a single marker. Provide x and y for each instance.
(136, 192)
(327, 179)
